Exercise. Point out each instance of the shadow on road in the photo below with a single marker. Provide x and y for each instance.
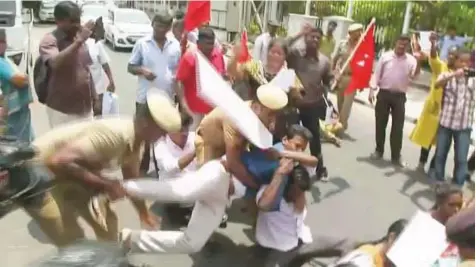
(379, 163)
(337, 184)
(35, 232)
(220, 250)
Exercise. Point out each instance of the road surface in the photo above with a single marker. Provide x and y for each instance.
(361, 200)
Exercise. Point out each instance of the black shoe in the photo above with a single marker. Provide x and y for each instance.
(468, 178)
(224, 221)
(376, 155)
(322, 174)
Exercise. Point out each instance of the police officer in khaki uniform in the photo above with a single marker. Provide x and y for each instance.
(77, 155)
(344, 49)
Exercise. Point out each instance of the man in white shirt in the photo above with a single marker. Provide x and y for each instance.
(100, 70)
(175, 155)
(283, 235)
(260, 49)
(154, 61)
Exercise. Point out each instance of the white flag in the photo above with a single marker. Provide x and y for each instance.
(218, 93)
(420, 244)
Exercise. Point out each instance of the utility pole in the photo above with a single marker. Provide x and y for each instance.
(350, 8)
(308, 7)
(408, 17)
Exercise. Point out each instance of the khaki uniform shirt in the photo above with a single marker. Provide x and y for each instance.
(109, 141)
(213, 133)
(342, 54)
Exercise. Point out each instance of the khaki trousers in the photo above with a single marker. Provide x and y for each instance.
(344, 102)
(47, 216)
(73, 201)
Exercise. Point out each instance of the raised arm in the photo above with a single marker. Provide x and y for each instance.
(266, 198)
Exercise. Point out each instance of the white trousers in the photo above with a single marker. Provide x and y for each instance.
(57, 118)
(208, 187)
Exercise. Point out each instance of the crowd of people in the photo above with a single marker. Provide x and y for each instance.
(201, 158)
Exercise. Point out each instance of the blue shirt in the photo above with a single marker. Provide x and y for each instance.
(15, 98)
(447, 42)
(162, 62)
(262, 169)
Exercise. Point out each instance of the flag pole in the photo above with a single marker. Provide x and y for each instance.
(347, 62)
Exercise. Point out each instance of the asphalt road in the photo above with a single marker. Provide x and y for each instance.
(361, 200)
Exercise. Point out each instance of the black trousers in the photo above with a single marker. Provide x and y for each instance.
(390, 103)
(309, 117)
(424, 154)
(145, 162)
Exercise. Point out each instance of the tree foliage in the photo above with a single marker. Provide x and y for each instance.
(389, 15)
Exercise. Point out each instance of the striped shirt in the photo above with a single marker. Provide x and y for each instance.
(458, 103)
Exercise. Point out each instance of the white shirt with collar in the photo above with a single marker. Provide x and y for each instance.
(260, 49)
(167, 154)
(281, 230)
(99, 57)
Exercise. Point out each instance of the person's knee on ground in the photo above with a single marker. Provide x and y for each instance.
(132, 242)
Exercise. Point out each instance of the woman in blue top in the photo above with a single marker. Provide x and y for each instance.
(17, 96)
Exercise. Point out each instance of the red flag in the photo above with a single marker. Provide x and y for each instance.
(198, 13)
(183, 43)
(245, 53)
(362, 62)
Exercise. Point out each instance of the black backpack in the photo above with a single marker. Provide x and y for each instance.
(41, 74)
(22, 182)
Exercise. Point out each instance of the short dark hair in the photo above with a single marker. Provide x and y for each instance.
(317, 29)
(404, 37)
(178, 24)
(163, 17)
(332, 23)
(186, 119)
(66, 10)
(462, 51)
(179, 14)
(206, 33)
(443, 191)
(298, 130)
(300, 176)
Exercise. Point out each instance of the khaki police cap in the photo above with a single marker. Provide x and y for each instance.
(272, 96)
(355, 27)
(163, 111)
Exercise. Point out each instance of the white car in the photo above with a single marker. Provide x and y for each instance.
(12, 19)
(126, 26)
(93, 12)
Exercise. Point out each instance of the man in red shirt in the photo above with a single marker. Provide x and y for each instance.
(186, 88)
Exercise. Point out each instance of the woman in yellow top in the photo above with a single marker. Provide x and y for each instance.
(373, 253)
(424, 133)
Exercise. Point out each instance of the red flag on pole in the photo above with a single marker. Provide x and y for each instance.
(362, 62)
(198, 13)
(245, 53)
